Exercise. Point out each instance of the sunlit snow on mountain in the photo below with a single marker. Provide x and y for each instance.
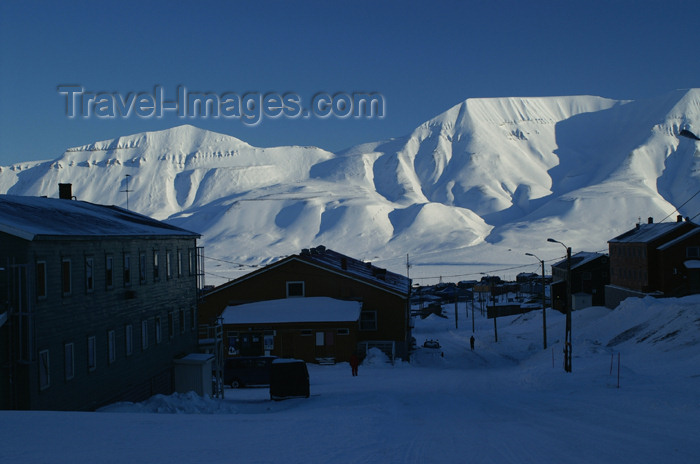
(469, 191)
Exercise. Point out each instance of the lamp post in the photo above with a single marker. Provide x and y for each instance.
(567, 337)
(544, 312)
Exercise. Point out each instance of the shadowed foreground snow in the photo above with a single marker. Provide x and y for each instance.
(503, 403)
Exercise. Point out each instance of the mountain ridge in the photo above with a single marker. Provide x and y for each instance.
(482, 179)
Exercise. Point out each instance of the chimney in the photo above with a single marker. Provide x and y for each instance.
(679, 218)
(650, 220)
(65, 191)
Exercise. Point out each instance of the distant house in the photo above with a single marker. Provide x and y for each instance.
(96, 300)
(654, 258)
(384, 319)
(590, 273)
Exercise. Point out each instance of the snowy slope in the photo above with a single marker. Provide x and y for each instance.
(505, 402)
(484, 182)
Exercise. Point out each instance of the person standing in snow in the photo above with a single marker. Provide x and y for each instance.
(354, 363)
(471, 342)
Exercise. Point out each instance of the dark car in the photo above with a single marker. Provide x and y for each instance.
(247, 371)
(289, 378)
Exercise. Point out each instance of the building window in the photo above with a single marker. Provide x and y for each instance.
(179, 263)
(181, 320)
(144, 335)
(156, 266)
(41, 279)
(307, 332)
(171, 324)
(111, 346)
(89, 274)
(159, 335)
(343, 332)
(129, 339)
(320, 339)
(190, 260)
(69, 360)
(295, 289)
(66, 283)
(692, 252)
(368, 320)
(92, 353)
(168, 265)
(142, 268)
(44, 371)
(109, 271)
(127, 270)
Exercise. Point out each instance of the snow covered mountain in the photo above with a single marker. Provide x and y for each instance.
(478, 185)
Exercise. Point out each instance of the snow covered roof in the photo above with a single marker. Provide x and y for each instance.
(579, 259)
(341, 264)
(646, 233)
(291, 310)
(354, 267)
(680, 239)
(33, 218)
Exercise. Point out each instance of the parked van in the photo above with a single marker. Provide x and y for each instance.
(289, 378)
(247, 371)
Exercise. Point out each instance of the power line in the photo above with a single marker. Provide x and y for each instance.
(217, 275)
(676, 210)
(232, 262)
(485, 273)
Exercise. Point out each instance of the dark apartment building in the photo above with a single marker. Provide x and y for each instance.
(95, 303)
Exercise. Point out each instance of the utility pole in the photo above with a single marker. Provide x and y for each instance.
(567, 335)
(495, 316)
(127, 190)
(568, 347)
(544, 311)
(456, 312)
(472, 311)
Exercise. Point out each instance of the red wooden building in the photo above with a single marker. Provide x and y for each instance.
(384, 317)
(654, 258)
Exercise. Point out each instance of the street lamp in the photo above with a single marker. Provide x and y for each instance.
(544, 312)
(567, 337)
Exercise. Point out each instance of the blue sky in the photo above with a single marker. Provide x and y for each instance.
(422, 57)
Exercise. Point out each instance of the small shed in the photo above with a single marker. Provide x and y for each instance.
(193, 373)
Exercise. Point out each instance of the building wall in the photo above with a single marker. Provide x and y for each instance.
(590, 278)
(614, 295)
(391, 310)
(674, 277)
(637, 265)
(86, 316)
(629, 266)
(301, 340)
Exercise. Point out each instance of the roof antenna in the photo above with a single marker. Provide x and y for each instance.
(127, 190)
